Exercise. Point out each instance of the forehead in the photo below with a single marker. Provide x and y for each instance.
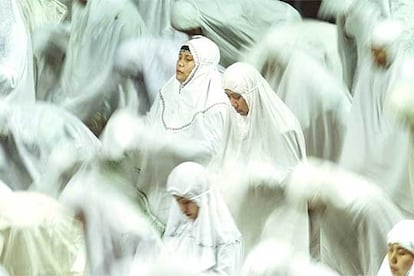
(231, 93)
(182, 199)
(396, 246)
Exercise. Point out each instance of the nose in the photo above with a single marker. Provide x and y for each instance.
(393, 257)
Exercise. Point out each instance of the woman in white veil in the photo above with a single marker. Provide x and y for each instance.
(187, 121)
(353, 214)
(200, 228)
(89, 88)
(265, 142)
(400, 255)
(375, 139)
(297, 78)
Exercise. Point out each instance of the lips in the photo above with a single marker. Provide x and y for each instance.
(393, 269)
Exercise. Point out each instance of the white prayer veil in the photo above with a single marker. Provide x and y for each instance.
(372, 125)
(118, 234)
(317, 38)
(188, 118)
(89, 87)
(157, 16)
(296, 77)
(266, 145)
(16, 57)
(401, 103)
(268, 116)
(31, 133)
(200, 93)
(212, 240)
(401, 233)
(233, 25)
(276, 257)
(41, 237)
(353, 214)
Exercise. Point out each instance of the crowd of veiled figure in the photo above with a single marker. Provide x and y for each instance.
(206, 137)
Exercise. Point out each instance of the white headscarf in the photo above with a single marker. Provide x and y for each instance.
(403, 234)
(181, 104)
(214, 226)
(271, 128)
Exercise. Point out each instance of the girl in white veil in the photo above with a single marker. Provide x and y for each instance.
(400, 256)
(207, 236)
(189, 116)
(266, 143)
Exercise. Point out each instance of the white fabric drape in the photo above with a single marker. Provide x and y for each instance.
(16, 57)
(40, 236)
(233, 25)
(211, 242)
(372, 126)
(89, 87)
(116, 229)
(266, 145)
(297, 79)
(353, 214)
(190, 117)
(30, 134)
(317, 38)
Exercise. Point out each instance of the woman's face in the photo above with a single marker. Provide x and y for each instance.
(238, 102)
(185, 64)
(187, 207)
(379, 55)
(399, 259)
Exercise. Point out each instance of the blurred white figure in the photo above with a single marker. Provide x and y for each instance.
(233, 25)
(200, 228)
(119, 237)
(149, 62)
(317, 38)
(266, 143)
(39, 236)
(157, 16)
(353, 214)
(276, 257)
(355, 19)
(89, 87)
(376, 143)
(296, 77)
(31, 135)
(16, 57)
(49, 49)
(187, 121)
(401, 102)
(400, 255)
